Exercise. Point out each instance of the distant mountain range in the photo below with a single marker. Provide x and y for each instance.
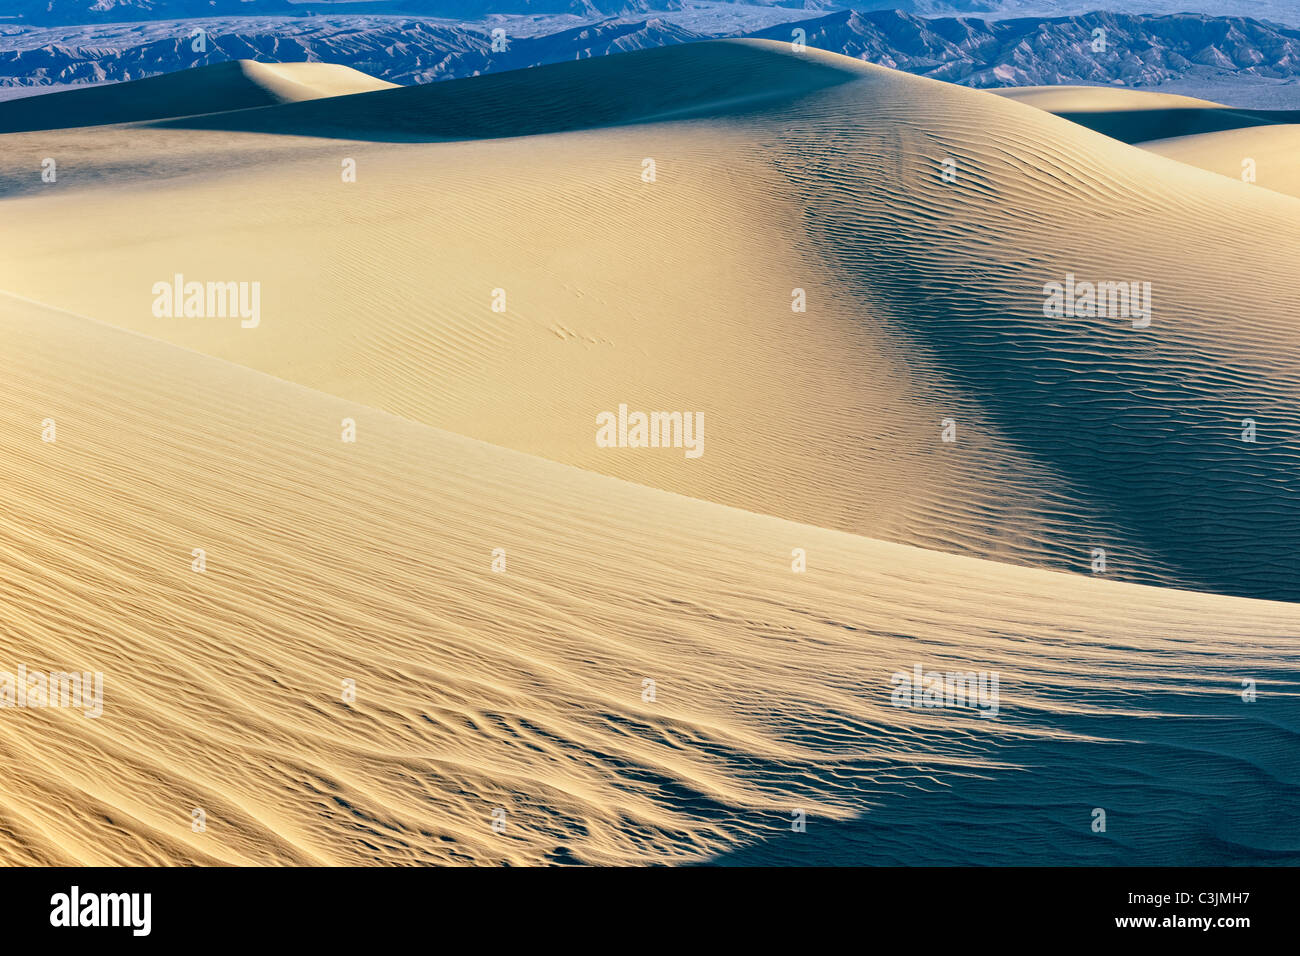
(62, 12)
(1139, 50)
(58, 12)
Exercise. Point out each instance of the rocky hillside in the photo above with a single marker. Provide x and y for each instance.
(1138, 50)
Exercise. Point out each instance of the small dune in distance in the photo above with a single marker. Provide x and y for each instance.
(235, 85)
(300, 432)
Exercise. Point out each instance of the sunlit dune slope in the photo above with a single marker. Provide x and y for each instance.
(525, 689)
(235, 85)
(1271, 154)
(1133, 116)
(1098, 99)
(925, 301)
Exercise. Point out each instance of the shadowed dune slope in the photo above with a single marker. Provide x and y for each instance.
(1133, 116)
(1156, 421)
(663, 83)
(522, 690)
(235, 85)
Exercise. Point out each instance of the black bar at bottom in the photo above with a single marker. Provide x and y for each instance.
(298, 907)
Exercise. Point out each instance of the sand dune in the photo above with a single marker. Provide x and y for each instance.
(922, 305)
(372, 561)
(1271, 153)
(1102, 99)
(731, 78)
(523, 690)
(1134, 116)
(1210, 136)
(235, 85)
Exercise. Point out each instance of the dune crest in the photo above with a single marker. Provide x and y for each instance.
(728, 78)
(1098, 99)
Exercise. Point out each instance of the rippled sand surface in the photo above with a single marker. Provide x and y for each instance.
(473, 615)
